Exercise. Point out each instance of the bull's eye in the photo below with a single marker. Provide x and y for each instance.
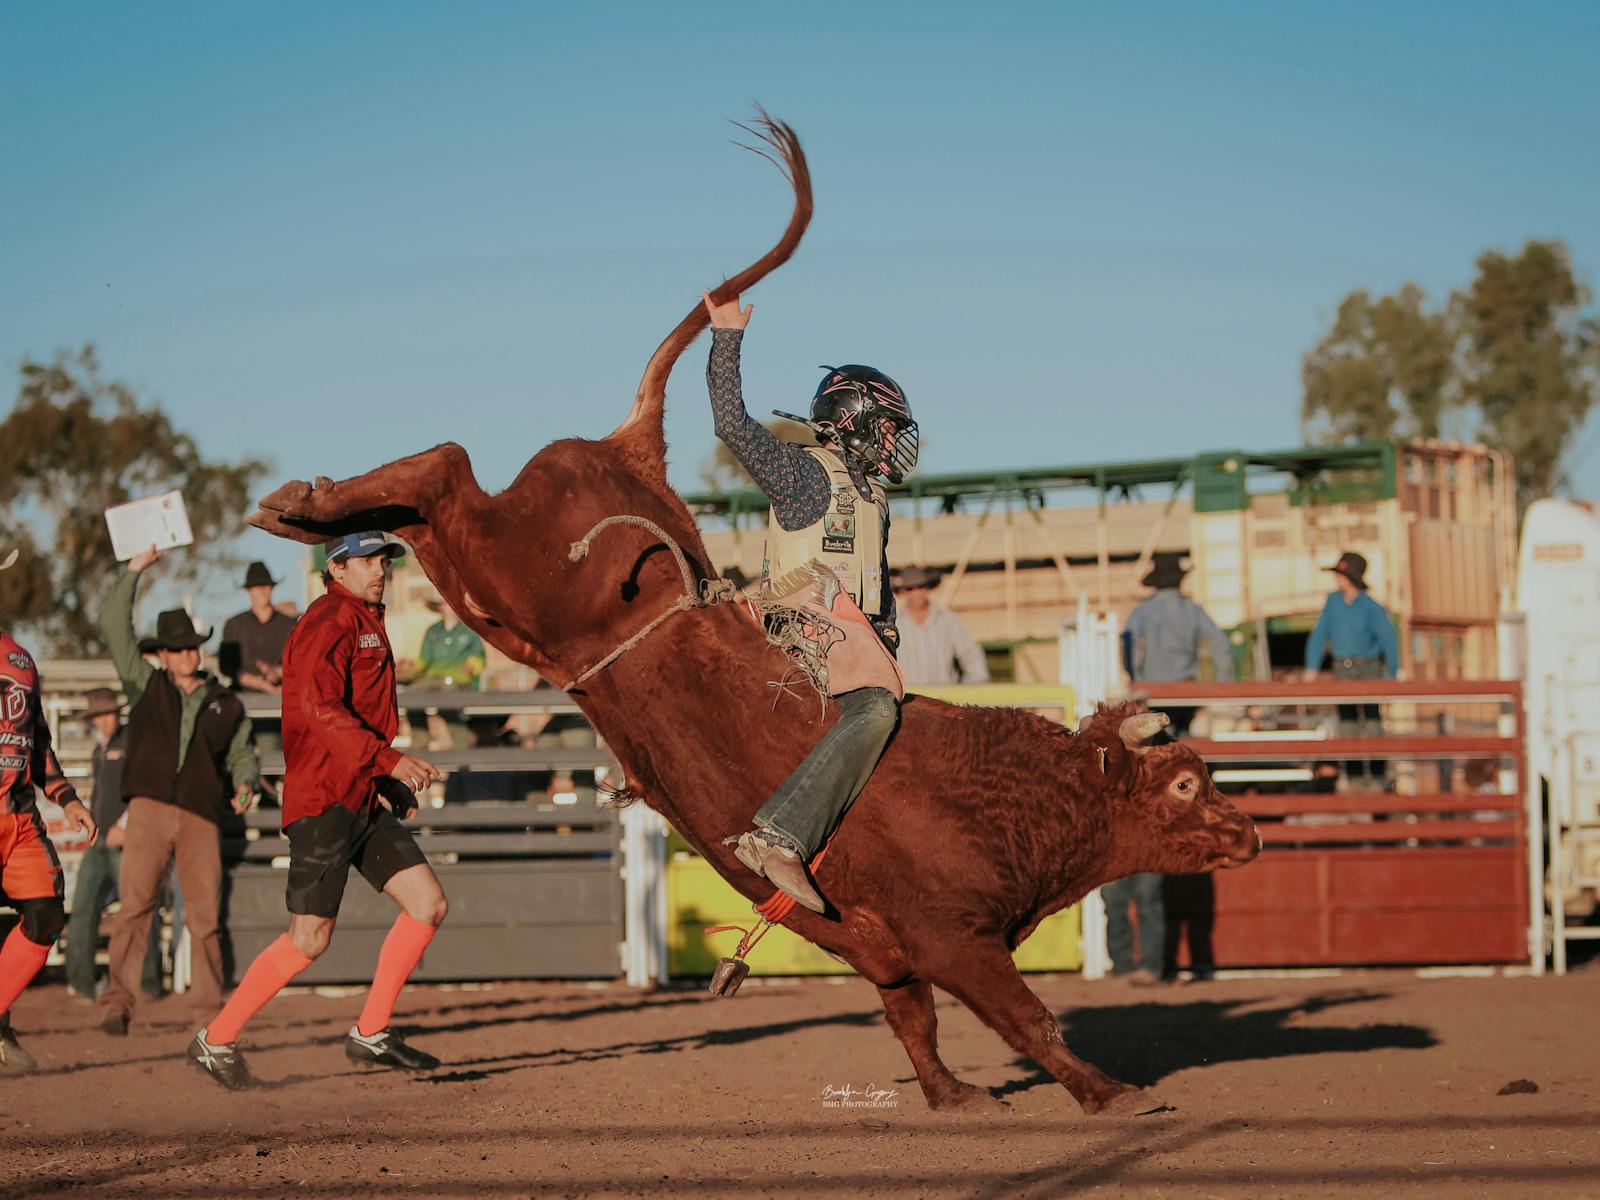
(1186, 785)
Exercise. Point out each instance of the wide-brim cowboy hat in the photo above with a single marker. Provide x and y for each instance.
(257, 575)
(908, 578)
(1166, 571)
(175, 630)
(99, 702)
(1353, 567)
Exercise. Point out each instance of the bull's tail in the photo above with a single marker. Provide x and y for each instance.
(641, 434)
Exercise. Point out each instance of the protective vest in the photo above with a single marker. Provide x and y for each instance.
(848, 540)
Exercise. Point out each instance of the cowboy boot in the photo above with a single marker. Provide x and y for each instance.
(748, 849)
(786, 871)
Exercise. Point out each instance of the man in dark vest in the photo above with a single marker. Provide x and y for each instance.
(189, 763)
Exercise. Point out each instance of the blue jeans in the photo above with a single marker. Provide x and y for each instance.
(819, 792)
(1143, 891)
(97, 881)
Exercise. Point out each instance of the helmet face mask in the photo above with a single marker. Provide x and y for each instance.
(867, 415)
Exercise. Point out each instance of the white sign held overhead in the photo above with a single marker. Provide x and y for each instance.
(159, 521)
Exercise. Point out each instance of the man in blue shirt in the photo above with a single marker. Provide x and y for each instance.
(1355, 627)
(1358, 632)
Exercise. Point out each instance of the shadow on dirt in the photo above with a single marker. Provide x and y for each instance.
(1143, 1043)
(413, 1023)
(483, 1068)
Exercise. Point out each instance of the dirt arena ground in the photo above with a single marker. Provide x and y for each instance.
(1377, 1082)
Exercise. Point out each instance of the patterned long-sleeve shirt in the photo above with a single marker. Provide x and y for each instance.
(795, 482)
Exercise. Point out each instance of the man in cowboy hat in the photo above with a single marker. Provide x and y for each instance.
(935, 647)
(1160, 644)
(1161, 641)
(251, 653)
(190, 764)
(1360, 635)
(30, 872)
(101, 864)
(1354, 627)
(452, 657)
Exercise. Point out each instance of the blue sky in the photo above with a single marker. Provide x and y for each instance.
(334, 235)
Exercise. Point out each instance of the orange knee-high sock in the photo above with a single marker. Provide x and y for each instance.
(402, 951)
(273, 968)
(20, 960)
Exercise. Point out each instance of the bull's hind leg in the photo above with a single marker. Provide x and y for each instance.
(911, 1016)
(415, 484)
(988, 982)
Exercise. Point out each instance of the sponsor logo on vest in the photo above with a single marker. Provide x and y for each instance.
(19, 660)
(839, 533)
(369, 641)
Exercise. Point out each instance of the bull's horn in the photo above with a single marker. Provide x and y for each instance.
(1136, 729)
(9, 559)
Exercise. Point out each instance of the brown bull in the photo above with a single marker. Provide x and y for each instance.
(979, 822)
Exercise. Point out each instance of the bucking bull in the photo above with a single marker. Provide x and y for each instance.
(979, 822)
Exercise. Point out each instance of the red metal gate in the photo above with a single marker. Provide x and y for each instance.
(1398, 844)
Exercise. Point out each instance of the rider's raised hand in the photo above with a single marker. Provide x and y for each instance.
(729, 315)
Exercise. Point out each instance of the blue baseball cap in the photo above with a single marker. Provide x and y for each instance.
(362, 545)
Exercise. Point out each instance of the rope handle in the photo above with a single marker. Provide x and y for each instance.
(711, 591)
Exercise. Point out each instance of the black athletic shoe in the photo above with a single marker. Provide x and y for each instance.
(223, 1063)
(115, 1023)
(385, 1049)
(14, 1060)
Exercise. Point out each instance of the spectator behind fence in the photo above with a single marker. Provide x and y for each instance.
(251, 653)
(452, 657)
(189, 763)
(1160, 644)
(101, 864)
(935, 647)
(1360, 635)
(488, 783)
(1161, 641)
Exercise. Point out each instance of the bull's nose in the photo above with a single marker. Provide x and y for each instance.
(1249, 847)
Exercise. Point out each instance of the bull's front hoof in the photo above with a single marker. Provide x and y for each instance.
(293, 499)
(966, 1097)
(1134, 1102)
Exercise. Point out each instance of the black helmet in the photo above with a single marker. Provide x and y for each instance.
(866, 413)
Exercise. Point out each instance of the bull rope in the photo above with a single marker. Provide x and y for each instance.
(712, 591)
(783, 623)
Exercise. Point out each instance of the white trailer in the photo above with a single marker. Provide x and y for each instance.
(1555, 649)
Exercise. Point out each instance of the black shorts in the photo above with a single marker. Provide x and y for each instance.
(323, 848)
